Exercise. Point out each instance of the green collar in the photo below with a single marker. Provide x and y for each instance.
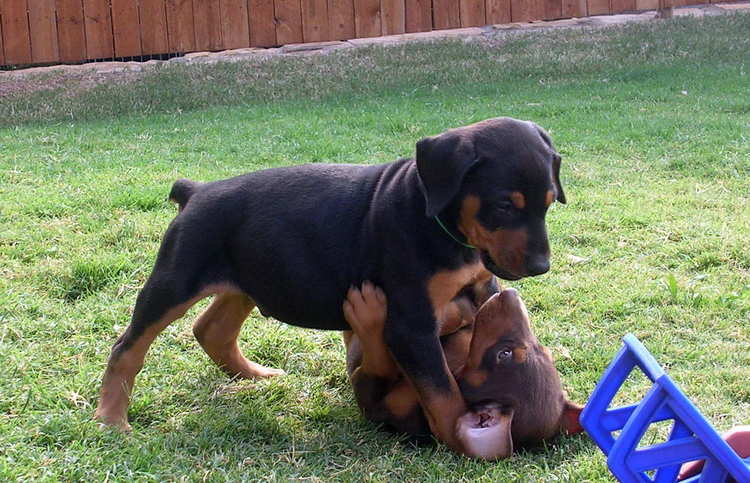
(451, 234)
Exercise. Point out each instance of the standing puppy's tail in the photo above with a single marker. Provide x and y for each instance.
(182, 190)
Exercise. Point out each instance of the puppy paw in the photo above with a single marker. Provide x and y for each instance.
(365, 310)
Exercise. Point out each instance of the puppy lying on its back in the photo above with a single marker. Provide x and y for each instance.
(508, 379)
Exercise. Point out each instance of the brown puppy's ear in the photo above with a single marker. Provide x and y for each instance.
(556, 159)
(442, 163)
(571, 423)
(485, 433)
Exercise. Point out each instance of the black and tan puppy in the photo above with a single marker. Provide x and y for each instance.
(291, 241)
(507, 377)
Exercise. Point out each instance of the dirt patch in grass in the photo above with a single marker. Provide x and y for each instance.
(62, 79)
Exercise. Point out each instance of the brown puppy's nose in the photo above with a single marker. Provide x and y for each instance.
(537, 265)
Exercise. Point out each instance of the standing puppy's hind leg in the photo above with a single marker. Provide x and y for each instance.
(217, 330)
(159, 303)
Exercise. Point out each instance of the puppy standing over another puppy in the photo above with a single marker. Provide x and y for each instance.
(291, 241)
(509, 380)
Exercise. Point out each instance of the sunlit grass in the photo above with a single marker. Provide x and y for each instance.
(651, 119)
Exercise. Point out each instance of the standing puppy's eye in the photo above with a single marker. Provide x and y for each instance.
(504, 355)
(501, 213)
(504, 206)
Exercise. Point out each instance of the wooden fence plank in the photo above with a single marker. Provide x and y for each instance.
(16, 30)
(180, 26)
(315, 21)
(539, 10)
(498, 11)
(126, 28)
(552, 9)
(235, 25)
(153, 27)
(207, 25)
(341, 14)
(527, 10)
(2, 52)
(289, 21)
(472, 13)
(646, 4)
(574, 8)
(262, 23)
(393, 13)
(445, 14)
(598, 7)
(367, 22)
(619, 6)
(43, 31)
(418, 15)
(71, 38)
(98, 27)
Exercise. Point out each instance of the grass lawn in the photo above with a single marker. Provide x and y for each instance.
(652, 120)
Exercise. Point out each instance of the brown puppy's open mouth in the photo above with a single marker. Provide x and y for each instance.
(480, 418)
(484, 431)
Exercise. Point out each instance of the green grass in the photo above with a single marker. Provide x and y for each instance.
(653, 124)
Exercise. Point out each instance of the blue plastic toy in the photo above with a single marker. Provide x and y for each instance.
(692, 437)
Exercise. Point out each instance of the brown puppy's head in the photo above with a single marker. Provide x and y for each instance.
(494, 181)
(510, 383)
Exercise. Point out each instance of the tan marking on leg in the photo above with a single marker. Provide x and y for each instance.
(376, 360)
(443, 286)
(217, 330)
(122, 368)
(365, 311)
(401, 400)
(442, 410)
(451, 318)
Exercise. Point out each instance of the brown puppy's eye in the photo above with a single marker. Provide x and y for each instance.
(504, 355)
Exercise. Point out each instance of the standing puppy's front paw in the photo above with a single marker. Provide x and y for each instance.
(365, 310)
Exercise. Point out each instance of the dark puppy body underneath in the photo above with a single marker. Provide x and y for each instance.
(507, 377)
(292, 240)
(382, 392)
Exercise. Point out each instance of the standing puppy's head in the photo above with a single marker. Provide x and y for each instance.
(510, 384)
(495, 179)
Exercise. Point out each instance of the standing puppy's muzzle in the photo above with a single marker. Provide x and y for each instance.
(537, 250)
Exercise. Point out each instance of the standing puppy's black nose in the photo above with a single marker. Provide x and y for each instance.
(537, 265)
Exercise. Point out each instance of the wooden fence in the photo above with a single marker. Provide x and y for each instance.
(60, 31)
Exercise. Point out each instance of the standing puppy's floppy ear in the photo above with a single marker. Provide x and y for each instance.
(442, 163)
(560, 196)
(556, 178)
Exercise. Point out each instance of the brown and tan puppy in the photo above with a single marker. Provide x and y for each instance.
(508, 379)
